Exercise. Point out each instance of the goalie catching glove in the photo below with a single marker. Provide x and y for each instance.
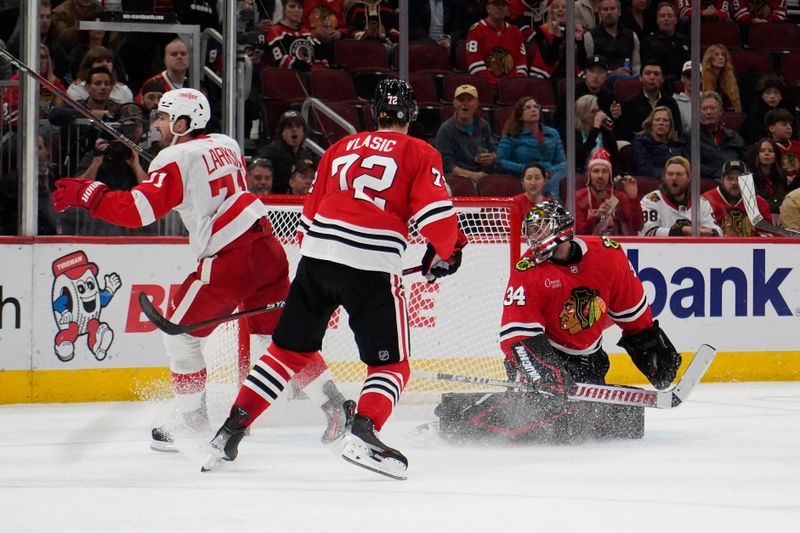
(653, 354)
(434, 267)
(77, 192)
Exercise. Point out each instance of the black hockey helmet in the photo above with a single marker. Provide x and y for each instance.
(395, 101)
(547, 225)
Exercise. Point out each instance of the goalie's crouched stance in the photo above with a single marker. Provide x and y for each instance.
(561, 295)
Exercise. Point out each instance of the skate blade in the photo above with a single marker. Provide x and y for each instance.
(363, 457)
(159, 446)
(212, 462)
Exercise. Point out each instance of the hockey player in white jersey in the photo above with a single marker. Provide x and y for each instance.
(668, 211)
(203, 177)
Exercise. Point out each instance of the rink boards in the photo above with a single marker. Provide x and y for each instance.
(742, 296)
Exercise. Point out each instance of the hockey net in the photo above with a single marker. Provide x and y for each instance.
(453, 322)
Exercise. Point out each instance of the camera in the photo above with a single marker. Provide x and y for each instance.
(608, 123)
(117, 151)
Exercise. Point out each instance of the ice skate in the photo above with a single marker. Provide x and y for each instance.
(363, 448)
(162, 438)
(339, 413)
(225, 444)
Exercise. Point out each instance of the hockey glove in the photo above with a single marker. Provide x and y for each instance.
(676, 230)
(77, 192)
(653, 354)
(434, 267)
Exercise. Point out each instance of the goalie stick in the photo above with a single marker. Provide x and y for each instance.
(748, 190)
(75, 105)
(612, 394)
(171, 328)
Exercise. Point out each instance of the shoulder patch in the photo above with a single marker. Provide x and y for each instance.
(474, 25)
(525, 264)
(653, 197)
(610, 243)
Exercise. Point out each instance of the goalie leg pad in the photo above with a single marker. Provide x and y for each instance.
(653, 354)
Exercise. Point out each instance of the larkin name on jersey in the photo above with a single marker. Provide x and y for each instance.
(368, 186)
(205, 181)
(573, 304)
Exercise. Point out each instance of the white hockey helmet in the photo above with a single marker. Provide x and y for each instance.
(547, 225)
(185, 103)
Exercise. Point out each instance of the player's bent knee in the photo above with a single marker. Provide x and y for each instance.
(185, 353)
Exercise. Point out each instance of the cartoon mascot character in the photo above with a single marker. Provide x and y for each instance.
(77, 301)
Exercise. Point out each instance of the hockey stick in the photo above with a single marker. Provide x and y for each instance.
(612, 394)
(748, 189)
(171, 328)
(93, 119)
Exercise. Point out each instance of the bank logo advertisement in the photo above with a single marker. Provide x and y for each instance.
(78, 301)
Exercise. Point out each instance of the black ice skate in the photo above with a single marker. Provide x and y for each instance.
(339, 413)
(363, 448)
(162, 438)
(225, 444)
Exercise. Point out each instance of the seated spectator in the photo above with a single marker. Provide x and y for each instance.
(668, 211)
(619, 45)
(548, 58)
(66, 18)
(47, 99)
(790, 211)
(57, 54)
(658, 142)
(779, 124)
(302, 177)
(727, 203)
(595, 76)
(666, 46)
(638, 18)
(325, 19)
(9, 197)
(291, 46)
(98, 86)
(684, 100)
(371, 19)
(770, 90)
(494, 47)
(287, 149)
(176, 61)
(465, 139)
(769, 176)
(525, 140)
(639, 106)
(717, 143)
(593, 129)
(757, 11)
(711, 9)
(534, 178)
(99, 56)
(718, 76)
(151, 92)
(601, 210)
(260, 173)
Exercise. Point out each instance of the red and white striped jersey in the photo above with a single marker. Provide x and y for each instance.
(367, 188)
(732, 217)
(204, 180)
(495, 53)
(572, 304)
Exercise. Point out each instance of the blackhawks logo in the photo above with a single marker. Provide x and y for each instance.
(581, 310)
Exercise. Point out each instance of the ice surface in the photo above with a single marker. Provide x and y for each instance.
(726, 461)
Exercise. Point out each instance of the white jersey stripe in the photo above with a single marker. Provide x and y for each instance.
(144, 207)
(186, 301)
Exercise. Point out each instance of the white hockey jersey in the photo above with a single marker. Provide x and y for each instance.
(204, 180)
(660, 213)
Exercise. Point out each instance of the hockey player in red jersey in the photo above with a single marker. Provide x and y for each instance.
(354, 230)
(495, 48)
(567, 290)
(727, 203)
(203, 177)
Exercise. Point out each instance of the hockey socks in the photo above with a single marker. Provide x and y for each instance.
(381, 391)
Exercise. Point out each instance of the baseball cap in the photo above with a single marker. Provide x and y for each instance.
(302, 165)
(130, 113)
(686, 66)
(466, 89)
(596, 61)
(733, 164)
(290, 117)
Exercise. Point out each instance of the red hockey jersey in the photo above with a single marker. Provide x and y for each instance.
(204, 180)
(769, 10)
(292, 48)
(495, 53)
(732, 218)
(573, 304)
(367, 187)
(327, 14)
(723, 8)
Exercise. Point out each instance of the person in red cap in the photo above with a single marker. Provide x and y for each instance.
(601, 210)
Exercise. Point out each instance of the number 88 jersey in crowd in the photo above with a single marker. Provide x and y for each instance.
(367, 187)
(205, 181)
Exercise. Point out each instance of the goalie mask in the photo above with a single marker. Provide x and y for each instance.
(546, 226)
(395, 101)
(189, 103)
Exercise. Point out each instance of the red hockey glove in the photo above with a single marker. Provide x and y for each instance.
(77, 192)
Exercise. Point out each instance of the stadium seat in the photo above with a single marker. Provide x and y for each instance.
(424, 89)
(733, 120)
(354, 55)
(717, 32)
(790, 67)
(485, 92)
(281, 89)
(646, 184)
(502, 185)
(744, 60)
(332, 85)
(509, 90)
(426, 58)
(774, 37)
(501, 115)
(460, 186)
(461, 56)
(624, 89)
(324, 127)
